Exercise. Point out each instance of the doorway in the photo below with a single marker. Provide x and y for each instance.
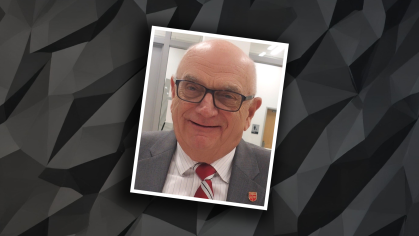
(268, 132)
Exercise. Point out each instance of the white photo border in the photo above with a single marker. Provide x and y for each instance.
(280, 92)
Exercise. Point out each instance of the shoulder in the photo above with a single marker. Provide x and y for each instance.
(261, 154)
(259, 151)
(263, 157)
(152, 136)
(151, 140)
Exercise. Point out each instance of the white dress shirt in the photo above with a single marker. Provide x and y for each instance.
(182, 180)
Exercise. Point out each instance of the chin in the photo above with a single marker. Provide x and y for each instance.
(201, 142)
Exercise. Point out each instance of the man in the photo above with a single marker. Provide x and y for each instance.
(212, 104)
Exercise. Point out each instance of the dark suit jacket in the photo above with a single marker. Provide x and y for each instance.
(249, 172)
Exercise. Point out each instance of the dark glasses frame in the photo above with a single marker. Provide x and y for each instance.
(212, 91)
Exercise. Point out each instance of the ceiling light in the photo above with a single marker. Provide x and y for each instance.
(276, 51)
(262, 54)
(272, 47)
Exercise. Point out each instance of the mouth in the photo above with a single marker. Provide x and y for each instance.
(203, 126)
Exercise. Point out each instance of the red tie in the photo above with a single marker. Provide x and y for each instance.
(205, 172)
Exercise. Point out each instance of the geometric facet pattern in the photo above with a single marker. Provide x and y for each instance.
(347, 155)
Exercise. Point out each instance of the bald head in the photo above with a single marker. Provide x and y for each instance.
(221, 54)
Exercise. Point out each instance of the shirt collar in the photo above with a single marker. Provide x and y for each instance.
(222, 165)
(183, 161)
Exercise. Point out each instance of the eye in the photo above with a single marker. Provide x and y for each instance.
(192, 88)
(228, 96)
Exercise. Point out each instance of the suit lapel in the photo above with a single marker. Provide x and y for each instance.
(152, 171)
(244, 170)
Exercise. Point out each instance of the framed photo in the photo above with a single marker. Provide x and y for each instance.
(209, 117)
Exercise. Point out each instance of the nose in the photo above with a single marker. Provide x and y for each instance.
(206, 107)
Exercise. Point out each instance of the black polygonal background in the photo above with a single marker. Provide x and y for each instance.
(71, 81)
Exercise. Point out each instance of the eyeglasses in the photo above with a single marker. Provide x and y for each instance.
(225, 100)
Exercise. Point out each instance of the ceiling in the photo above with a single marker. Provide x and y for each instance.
(255, 48)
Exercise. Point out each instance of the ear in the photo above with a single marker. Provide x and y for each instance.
(254, 106)
(172, 87)
(172, 90)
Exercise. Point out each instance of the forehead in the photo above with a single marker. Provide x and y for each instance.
(216, 71)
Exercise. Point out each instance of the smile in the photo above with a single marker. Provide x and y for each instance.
(203, 126)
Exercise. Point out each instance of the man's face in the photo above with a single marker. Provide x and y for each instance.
(202, 126)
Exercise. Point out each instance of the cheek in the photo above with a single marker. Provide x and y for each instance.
(174, 109)
(179, 109)
(240, 121)
(234, 122)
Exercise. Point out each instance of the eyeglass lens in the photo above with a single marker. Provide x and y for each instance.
(223, 99)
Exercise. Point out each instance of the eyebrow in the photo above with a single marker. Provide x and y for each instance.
(227, 87)
(191, 78)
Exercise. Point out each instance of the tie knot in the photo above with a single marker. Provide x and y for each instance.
(205, 171)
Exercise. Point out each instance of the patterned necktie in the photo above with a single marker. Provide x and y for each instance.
(205, 172)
